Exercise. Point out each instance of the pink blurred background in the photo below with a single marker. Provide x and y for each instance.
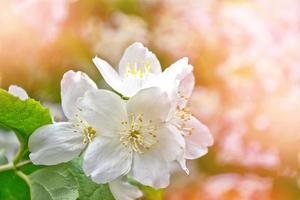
(246, 55)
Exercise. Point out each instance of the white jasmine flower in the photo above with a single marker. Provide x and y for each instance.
(63, 141)
(196, 135)
(138, 69)
(131, 137)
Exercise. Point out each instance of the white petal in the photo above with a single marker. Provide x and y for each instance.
(122, 190)
(171, 143)
(182, 162)
(132, 85)
(187, 85)
(153, 103)
(175, 78)
(106, 159)
(139, 56)
(18, 92)
(103, 110)
(185, 89)
(178, 70)
(151, 169)
(9, 143)
(198, 141)
(73, 86)
(109, 74)
(55, 143)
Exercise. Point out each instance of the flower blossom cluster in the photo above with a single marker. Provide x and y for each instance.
(140, 130)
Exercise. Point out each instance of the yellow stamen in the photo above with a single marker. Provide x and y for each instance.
(138, 71)
(184, 115)
(88, 131)
(89, 134)
(138, 135)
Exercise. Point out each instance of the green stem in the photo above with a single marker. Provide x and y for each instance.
(23, 176)
(6, 167)
(125, 98)
(11, 166)
(20, 153)
(16, 162)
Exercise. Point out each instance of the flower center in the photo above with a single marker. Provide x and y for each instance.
(89, 133)
(138, 135)
(138, 71)
(135, 134)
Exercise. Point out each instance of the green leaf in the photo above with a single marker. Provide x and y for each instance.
(24, 117)
(53, 183)
(13, 187)
(88, 190)
(66, 182)
(30, 168)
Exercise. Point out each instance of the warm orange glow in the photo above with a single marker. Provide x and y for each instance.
(247, 65)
